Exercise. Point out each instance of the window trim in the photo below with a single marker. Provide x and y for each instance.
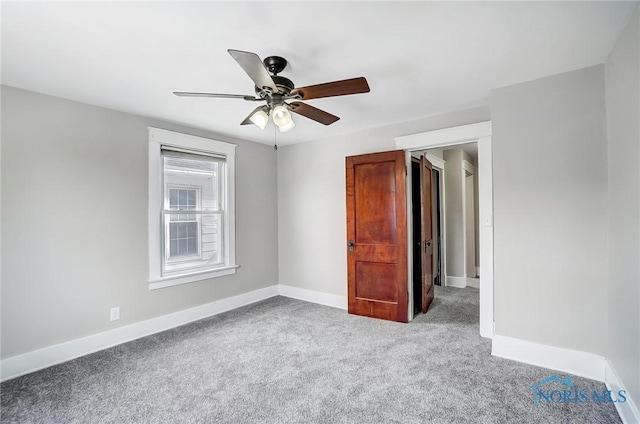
(158, 138)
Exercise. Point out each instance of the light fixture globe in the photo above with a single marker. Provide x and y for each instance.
(287, 127)
(281, 116)
(260, 118)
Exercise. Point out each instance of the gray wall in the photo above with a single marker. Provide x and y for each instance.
(550, 194)
(454, 215)
(311, 199)
(476, 212)
(74, 222)
(622, 73)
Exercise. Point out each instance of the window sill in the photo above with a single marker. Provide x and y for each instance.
(162, 282)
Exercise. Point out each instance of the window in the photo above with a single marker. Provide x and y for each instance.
(191, 208)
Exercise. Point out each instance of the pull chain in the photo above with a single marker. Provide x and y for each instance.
(275, 138)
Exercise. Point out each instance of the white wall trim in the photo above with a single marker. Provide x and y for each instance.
(569, 361)
(566, 360)
(485, 234)
(16, 366)
(480, 133)
(473, 282)
(445, 137)
(459, 282)
(314, 296)
(628, 410)
(468, 166)
(435, 161)
(29, 362)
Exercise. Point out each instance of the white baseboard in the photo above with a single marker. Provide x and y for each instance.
(569, 361)
(313, 296)
(473, 282)
(29, 362)
(459, 282)
(628, 411)
(33, 361)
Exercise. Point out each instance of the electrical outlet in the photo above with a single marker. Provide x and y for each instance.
(115, 313)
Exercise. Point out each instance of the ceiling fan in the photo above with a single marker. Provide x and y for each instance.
(276, 90)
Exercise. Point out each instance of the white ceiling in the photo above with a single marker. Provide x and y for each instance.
(420, 58)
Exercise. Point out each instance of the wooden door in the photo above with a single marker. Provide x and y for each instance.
(377, 235)
(426, 202)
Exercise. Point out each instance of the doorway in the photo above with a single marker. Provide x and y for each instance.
(457, 165)
(480, 133)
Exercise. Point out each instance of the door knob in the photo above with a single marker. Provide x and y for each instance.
(351, 244)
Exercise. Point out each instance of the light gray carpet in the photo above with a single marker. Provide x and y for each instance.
(287, 361)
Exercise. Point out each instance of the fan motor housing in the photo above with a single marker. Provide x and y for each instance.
(285, 85)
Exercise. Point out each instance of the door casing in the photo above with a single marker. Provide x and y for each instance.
(480, 133)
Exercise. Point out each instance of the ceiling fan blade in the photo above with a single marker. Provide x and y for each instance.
(247, 121)
(223, 96)
(314, 113)
(254, 67)
(335, 88)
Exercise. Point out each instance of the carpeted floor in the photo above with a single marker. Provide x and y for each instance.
(287, 361)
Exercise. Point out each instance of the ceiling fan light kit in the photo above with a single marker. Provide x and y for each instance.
(287, 127)
(282, 118)
(275, 90)
(260, 117)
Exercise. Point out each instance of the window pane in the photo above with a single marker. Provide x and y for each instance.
(183, 237)
(192, 229)
(182, 230)
(182, 199)
(211, 245)
(196, 183)
(182, 247)
(173, 198)
(192, 246)
(195, 243)
(193, 239)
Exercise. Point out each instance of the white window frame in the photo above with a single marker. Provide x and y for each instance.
(157, 139)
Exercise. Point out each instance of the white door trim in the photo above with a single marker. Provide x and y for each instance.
(436, 162)
(467, 166)
(480, 133)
